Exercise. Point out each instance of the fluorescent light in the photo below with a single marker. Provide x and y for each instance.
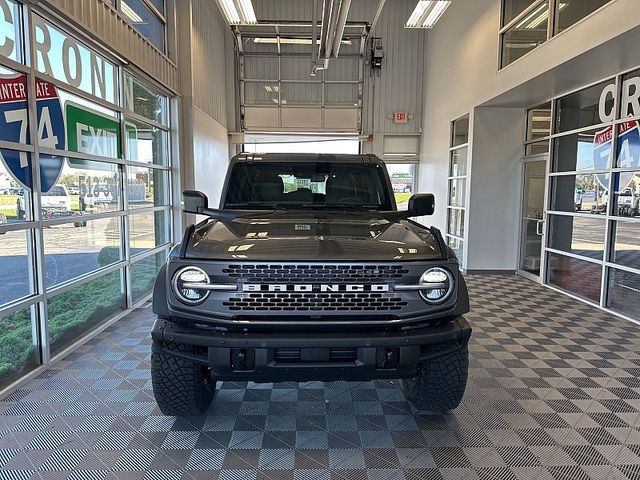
(238, 12)
(130, 13)
(290, 41)
(427, 13)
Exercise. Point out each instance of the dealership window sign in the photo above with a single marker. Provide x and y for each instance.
(628, 143)
(9, 30)
(66, 59)
(14, 127)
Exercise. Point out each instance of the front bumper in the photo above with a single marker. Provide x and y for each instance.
(269, 357)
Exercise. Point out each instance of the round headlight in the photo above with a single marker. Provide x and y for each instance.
(439, 285)
(185, 285)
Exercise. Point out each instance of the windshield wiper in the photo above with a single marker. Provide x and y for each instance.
(342, 206)
(258, 205)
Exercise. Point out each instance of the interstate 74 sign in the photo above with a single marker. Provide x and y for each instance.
(627, 155)
(14, 127)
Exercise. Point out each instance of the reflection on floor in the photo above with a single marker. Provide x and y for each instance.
(554, 393)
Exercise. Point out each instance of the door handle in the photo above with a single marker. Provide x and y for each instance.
(539, 227)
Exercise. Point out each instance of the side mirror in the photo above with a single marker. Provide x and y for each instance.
(422, 204)
(194, 201)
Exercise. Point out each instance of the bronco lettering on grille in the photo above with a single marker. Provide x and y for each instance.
(323, 288)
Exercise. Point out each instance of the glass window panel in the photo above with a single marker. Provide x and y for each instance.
(455, 225)
(624, 292)
(580, 193)
(83, 68)
(148, 187)
(294, 68)
(261, 93)
(143, 274)
(460, 132)
(512, 8)
(572, 11)
(75, 312)
(301, 94)
(15, 280)
(457, 190)
(579, 277)
(402, 180)
(342, 69)
(626, 244)
(457, 246)
(577, 235)
(582, 151)
(525, 35)
(631, 95)
(539, 122)
(537, 148)
(145, 101)
(626, 194)
(148, 230)
(92, 187)
(458, 162)
(10, 37)
(583, 109)
(72, 250)
(145, 21)
(341, 94)
(15, 199)
(146, 144)
(18, 352)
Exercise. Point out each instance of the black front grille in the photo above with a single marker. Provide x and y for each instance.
(344, 301)
(336, 355)
(315, 273)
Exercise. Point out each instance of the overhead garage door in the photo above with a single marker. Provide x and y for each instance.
(278, 92)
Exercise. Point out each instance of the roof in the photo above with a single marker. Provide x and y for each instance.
(306, 157)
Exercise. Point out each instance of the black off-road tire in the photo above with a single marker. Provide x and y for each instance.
(440, 383)
(182, 387)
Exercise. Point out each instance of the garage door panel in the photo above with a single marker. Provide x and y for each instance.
(261, 117)
(306, 118)
(341, 119)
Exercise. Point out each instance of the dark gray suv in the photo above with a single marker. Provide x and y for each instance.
(307, 271)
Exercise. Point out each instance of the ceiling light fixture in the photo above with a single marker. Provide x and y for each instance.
(427, 13)
(290, 41)
(130, 13)
(238, 12)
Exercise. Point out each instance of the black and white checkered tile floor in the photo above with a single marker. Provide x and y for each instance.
(553, 393)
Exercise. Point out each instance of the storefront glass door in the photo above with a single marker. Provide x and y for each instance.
(533, 217)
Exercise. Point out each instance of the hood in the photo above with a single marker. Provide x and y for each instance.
(312, 236)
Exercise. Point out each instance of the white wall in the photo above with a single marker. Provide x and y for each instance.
(462, 74)
(495, 186)
(210, 155)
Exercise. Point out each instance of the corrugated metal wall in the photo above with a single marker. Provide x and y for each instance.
(210, 44)
(100, 20)
(400, 84)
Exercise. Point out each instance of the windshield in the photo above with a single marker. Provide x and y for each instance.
(308, 185)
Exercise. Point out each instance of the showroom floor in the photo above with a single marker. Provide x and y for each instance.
(553, 393)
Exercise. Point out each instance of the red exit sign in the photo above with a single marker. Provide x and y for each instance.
(400, 117)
